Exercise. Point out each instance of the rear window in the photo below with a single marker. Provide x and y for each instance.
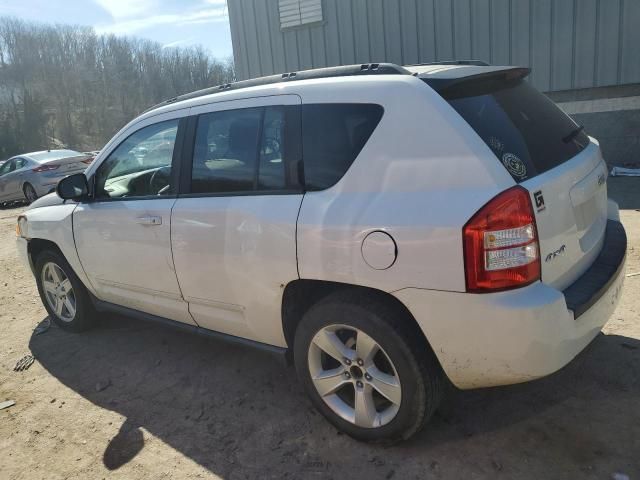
(54, 155)
(525, 130)
(333, 135)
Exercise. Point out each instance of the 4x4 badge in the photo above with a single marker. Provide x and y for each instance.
(537, 196)
(553, 255)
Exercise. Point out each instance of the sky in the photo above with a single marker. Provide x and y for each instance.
(170, 22)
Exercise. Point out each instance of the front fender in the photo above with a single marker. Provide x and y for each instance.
(55, 224)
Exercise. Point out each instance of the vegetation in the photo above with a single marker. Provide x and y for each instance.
(67, 86)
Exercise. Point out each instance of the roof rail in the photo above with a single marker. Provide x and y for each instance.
(477, 63)
(341, 71)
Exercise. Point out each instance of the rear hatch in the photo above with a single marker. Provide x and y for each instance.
(546, 152)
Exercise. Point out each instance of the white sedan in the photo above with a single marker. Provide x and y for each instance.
(29, 176)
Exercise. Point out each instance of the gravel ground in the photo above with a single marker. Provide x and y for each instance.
(133, 400)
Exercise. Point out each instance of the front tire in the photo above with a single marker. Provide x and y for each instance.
(64, 296)
(29, 193)
(366, 368)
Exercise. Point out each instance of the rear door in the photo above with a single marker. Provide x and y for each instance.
(233, 227)
(11, 182)
(6, 174)
(17, 177)
(549, 154)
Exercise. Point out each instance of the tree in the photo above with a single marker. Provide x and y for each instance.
(66, 85)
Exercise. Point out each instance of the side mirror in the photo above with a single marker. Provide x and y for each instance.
(73, 187)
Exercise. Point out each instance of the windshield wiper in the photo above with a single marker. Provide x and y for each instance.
(573, 134)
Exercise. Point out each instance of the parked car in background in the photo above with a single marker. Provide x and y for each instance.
(32, 175)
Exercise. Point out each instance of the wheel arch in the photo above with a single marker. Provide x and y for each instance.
(300, 295)
(24, 183)
(38, 245)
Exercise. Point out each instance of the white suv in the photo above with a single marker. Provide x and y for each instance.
(391, 228)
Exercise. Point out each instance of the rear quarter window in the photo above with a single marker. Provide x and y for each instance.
(525, 130)
(332, 137)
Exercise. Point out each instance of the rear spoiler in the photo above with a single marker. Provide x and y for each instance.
(477, 79)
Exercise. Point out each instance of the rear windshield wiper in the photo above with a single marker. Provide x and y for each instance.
(573, 134)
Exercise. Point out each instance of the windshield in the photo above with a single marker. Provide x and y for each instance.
(525, 130)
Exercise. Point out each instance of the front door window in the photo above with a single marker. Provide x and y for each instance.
(141, 165)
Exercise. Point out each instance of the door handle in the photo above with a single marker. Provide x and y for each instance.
(149, 220)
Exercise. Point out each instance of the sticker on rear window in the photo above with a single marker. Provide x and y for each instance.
(496, 144)
(516, 167)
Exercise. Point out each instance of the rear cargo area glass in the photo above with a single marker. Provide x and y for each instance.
(525, 130)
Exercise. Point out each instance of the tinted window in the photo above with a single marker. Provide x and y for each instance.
(141, 165)
(271, 171)
(333, 135)
(525, 130)
(239, 151)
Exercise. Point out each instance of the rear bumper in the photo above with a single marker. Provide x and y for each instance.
(510, 337)
(596, 281)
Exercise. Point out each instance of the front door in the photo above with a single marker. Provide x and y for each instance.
(234, 231)
(123, 235)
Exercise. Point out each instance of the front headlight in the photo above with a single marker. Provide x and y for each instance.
(21, 226)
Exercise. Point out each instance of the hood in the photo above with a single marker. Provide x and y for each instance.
(47, 201)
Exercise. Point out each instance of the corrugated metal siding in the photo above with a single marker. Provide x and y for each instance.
(568, 43)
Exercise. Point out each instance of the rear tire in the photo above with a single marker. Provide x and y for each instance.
(29, 193)
(64, 296)
(362, 406)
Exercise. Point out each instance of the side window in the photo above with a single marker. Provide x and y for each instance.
(7, 167)
(140, 165)
(271, 171)
(239, 151)
(226, 151)
(333, 135)
(20, 163)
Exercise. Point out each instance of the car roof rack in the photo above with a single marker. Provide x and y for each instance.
(477, 63)
(328, 72)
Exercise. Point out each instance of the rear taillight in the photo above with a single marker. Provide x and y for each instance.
(501, 244)
(45, 168)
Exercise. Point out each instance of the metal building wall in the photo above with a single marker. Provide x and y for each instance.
(568, 43)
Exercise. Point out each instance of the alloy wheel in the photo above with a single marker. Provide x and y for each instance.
(354, 376)
(30, 193)
(58, 292)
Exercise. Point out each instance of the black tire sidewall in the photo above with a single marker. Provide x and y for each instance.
(85, 312)
(414, 398)
(26, 187)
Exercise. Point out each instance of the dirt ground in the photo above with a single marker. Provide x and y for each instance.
(135, 400)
